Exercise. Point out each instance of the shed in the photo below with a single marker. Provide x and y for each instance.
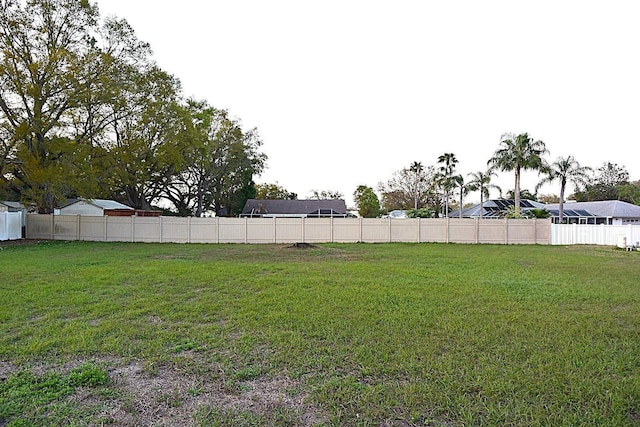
(268, 208)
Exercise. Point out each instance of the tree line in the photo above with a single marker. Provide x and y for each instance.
(86, 112)
(428, 191)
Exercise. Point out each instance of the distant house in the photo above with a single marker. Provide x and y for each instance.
(257, 208)
(101, 207)
(612, 212)
(495, 208)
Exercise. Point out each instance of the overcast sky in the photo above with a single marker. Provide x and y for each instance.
(346, 92)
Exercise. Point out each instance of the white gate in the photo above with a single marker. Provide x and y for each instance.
(10, 225)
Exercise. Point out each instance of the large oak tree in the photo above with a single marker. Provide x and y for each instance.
(219, 165)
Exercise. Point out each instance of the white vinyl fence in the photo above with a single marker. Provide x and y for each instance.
(10, 225)
(588, 234)
(287, 230)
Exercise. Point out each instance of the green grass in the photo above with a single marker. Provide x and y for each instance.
(393, 334)
(25, 398)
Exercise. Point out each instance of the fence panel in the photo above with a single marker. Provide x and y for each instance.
(203, 230)
(519, 232)
(316, 230)
(433, 230)
(259, 231)
(174, 230)
(66, 227)
(347, 230)
(39, 227)
(405, 230)
(92, 228)
(286, 230)
(493, 231)
(119, 228)
(543, 232)
(147, 229)
(376, 230)
(462, 230)
(10, 225)
(232, 230)
(291, 230)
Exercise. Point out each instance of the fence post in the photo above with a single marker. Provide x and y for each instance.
(188, 229)
(477, 225)
(419, 231)
(160, 224)
(275, 231)
(133, 228)
(447, 230)
(77, 227)
(506, 231)
(246, 229)
(331, 230)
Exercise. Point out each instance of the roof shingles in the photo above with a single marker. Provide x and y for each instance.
(294, 207)
(603, 208)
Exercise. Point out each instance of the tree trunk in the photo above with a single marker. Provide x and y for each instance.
(516, 192)
(200, 203)
(561, 204)
(446, 204)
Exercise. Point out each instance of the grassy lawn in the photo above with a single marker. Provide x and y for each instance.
(358, 334)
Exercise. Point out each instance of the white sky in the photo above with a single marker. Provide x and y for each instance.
(346, 92)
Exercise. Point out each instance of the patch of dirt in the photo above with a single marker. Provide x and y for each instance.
(301, 245)
(6, 369)
(19, 242)
(173, 398)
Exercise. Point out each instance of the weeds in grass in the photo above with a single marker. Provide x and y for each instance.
(29, 399)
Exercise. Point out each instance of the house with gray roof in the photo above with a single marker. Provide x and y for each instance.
(259, 208)
(612, 212)
(495, 208)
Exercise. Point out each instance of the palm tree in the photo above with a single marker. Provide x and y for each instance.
(448, 162)
(416, 168)
(518, 152)
(564, 169)
(463, 189)
(481, 181)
